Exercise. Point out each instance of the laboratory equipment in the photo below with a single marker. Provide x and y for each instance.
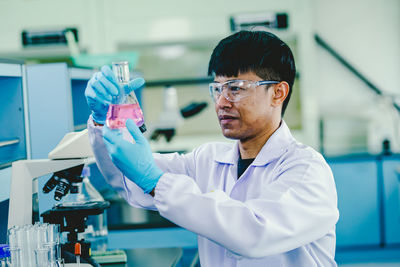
(78, 254)
(81, 193)
(73, 145)
(80, 211)
(125, 105)
(24, 186)
(65, 181)
(34, 245)
(171, 116)
(96, 231)
(72, 220)
(45, 37)
(263, 20)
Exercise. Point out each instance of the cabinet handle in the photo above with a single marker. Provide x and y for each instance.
(9, 142)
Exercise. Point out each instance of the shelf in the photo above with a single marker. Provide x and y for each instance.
(9, 142)
(39, 52)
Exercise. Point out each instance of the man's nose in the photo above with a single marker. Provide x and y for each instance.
(222, 101)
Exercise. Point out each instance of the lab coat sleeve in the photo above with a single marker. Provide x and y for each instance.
(176, 163)
(300, 206)
(127, 189)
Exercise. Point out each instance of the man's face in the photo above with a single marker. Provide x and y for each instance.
(249, 117)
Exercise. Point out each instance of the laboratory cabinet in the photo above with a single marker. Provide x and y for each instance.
(391, 181)
(356, 185)
(12, 132)
(368, 200)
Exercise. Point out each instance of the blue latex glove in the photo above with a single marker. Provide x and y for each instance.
(135, 161)
(100, 89)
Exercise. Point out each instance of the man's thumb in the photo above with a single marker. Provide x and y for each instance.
(135, 84)
(134, 131)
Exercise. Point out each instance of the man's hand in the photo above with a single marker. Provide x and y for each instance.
(100, 90)
(135, 161)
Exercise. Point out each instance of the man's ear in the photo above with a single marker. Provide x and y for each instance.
(281, 91)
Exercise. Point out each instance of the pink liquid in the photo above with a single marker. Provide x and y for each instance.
(118, 114)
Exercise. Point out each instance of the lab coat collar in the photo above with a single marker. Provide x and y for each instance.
(276, 145)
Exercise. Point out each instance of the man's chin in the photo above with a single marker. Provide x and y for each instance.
(230, 135)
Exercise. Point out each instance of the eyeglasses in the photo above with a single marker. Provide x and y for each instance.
(235, 90)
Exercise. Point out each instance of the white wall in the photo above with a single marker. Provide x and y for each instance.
(18, 15)
(367, 34)
(104, 23)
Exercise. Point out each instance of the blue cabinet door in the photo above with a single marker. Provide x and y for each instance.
(356, 183)
(12, 120)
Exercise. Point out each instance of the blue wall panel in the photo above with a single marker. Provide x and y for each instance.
(50, 108)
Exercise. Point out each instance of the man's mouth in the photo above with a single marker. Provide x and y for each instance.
(226, 118)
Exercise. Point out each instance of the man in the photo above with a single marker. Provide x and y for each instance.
(266, 200)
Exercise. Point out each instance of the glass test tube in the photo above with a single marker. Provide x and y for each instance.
(34, 244)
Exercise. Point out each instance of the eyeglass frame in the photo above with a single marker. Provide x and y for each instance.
(220, 86)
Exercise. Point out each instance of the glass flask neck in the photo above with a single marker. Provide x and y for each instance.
(121, 72)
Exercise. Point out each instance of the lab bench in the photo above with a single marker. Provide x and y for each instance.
(160, 244)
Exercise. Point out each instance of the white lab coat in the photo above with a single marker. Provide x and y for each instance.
(281, 212)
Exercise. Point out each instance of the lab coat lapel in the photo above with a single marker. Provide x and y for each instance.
(230, 157)
(276, 145)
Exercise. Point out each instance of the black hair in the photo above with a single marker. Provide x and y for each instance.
(258, 51)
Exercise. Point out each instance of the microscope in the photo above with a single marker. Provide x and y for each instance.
(172, 116)
(65, 163)
(73, 216)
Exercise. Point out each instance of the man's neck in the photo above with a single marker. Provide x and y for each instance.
(250, 148)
